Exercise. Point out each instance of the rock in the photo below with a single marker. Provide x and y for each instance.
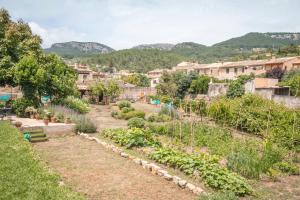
(154, 168)
(161, 172)
(131, 157)
(168, 177)
(196, 173)
(124, 155)
(182, 183)
(144, 164)
(198, 190)
(190, 186)
(176, 179)
(137, 161)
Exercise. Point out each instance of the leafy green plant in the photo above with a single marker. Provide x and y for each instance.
(136, 122)
(134, 137)
(19, 106)
(127, 109)
(286, 167)
(159, 118)
(76, 104)
(211, 172)
(123, 104)
(131, 114)
(227, 195)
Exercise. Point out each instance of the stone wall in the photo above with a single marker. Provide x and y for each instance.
(288, 101)
(137, 93)
(217, 89)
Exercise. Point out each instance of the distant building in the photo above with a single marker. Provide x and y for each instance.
(154, 76)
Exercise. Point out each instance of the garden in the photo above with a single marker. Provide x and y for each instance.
(229, 144)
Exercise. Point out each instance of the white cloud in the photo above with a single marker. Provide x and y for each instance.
(54, 35)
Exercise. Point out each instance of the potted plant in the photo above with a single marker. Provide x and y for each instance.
(18, 124)
(31, 111)
(46, 120)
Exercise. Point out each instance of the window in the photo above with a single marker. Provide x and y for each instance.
(254, 68)
(235, 70)
(227, 71)
(243, 69)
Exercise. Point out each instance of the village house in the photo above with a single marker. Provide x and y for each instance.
(231, 70)
(154, 76)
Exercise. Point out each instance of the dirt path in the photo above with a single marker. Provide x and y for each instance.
(100, 174)
(101, 115)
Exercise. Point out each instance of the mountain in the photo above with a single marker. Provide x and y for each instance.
(262, 40)
(138, 60)
(78, 49)
(160, 46)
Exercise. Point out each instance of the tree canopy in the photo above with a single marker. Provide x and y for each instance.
(23, 63)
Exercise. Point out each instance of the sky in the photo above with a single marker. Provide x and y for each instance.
(123, 24)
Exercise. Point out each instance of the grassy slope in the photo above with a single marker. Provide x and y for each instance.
(22, 176)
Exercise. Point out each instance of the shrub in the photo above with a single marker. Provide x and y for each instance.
(123, 104)
(85, 125)
(289, 168)
(136, 122)
(131, 114)
(20, 105)
(159, 118)
(127, 109)
(76, 104)
(134, 137)
(170, 111)
(114, 113)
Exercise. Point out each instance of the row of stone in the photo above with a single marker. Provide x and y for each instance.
(152, 167)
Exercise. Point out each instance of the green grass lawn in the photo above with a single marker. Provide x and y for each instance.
(22, 175)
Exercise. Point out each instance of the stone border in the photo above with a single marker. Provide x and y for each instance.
(152, 167)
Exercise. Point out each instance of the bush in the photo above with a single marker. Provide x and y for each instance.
(289, 168)
(159, 118)
(123, 104)
(127, 109)
(85, 125)
(76, 104)
(170, 111)
(220, 196)
(19, 106)
(136, 122)
(114, 113)
(131, 114)
(134, 137)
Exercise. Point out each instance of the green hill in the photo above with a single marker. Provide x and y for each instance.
(262, 40)
(138, 60)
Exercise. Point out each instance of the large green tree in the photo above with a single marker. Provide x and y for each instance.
(16, 41)
(23, 63)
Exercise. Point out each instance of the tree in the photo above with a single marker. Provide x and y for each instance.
(137, 79)
(23, 63)
(292, 79)
(200, 85)
(113, 89)
(99, 90)
(16, 41)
